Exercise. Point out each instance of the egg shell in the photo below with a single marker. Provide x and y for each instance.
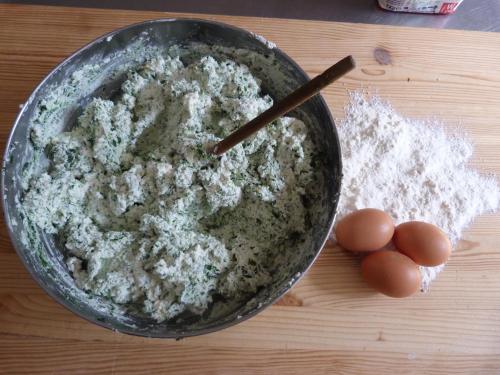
(367, 229)
(391, 273)
(425, 243)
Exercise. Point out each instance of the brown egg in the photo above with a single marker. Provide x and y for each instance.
(364, 230)
(391, 273)
(425, 243)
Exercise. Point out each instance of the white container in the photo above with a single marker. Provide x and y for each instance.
(421, 6)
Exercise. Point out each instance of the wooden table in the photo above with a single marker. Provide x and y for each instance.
(330, 322)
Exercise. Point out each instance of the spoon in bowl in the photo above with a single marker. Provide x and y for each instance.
(287, 104)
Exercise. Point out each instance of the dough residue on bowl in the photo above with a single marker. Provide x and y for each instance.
(147, 217)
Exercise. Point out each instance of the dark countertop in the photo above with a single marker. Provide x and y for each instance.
(483, 15)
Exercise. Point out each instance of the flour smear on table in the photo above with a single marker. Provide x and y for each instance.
(414, 170)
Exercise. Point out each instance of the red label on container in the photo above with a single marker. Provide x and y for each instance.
(448, 8)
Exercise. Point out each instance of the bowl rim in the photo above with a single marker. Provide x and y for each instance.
(19, 248)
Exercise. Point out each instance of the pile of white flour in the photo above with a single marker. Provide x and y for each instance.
(411, 169)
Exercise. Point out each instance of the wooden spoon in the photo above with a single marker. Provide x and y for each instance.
(284, 106)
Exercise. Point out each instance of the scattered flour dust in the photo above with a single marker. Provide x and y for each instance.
(411, 169)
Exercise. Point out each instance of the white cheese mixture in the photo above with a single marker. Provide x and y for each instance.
(149, 218)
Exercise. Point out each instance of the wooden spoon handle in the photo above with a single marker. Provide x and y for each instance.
(289, 103)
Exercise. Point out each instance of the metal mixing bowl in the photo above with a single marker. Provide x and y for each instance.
(42, 255)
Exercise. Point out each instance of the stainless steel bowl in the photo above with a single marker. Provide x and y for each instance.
(42, 255)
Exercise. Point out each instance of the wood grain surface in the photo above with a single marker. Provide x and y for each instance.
(330, 322)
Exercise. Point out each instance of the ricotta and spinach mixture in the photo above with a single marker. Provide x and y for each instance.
(147, 216)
